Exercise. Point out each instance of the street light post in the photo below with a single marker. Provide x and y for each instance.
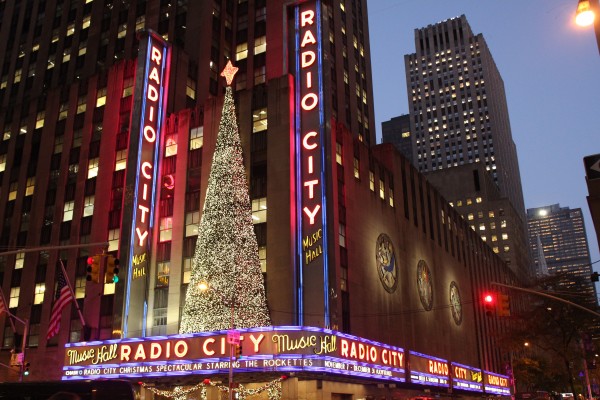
(231, 336)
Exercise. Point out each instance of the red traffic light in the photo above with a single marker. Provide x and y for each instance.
(90, 260)
(489, 304)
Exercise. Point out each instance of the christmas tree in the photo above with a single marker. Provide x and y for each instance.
(226, 256)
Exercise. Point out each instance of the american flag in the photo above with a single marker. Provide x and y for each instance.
(62, 298)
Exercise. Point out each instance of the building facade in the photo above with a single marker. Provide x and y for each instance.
(560, 231)
(377, 253)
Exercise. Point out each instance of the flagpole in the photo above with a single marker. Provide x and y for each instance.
(62, 266)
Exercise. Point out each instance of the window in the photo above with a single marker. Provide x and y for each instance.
(171, 146)
(162, 273)
(494, 238)
(505, 236)
(260, 45)
(19, 260)
(101, 97)
(382, 189)
(81, 104)
(140, 23)
(58, 144)
(470, 216)
(371, 181)
(342, 235)
(196, 138)
(506, 248)
(469, 202)
(38, 297)
(391, 192)
(262, 256)
(2, 162)
(478, 200)
(121, 160)
(259, 210)
(338, 153)
(503, 223)
(491, 214)
(88, 206)
(192, 220)
(260, 74)
(122, 31)
(12, 191)
(80, 282)
(482, 227)
(30, 186)
(93, 168)
(127, 87)
(241, 51)
(356, 168)
(68, 211)
(190, 88)
(113, 239)
(14, 297)
(259, 120)
(39, 120)
(166, 229)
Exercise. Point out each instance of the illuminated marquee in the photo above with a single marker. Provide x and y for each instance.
(428, 370)
(495, 383)
(285, 349)
(310, 159)
(466, 378)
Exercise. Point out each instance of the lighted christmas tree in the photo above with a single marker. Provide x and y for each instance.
(226, 256)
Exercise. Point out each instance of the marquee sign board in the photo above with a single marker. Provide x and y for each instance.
(310, 166)
(496, 384)
(428, 370)
(466, 378)
(285, 349)
(147, 117)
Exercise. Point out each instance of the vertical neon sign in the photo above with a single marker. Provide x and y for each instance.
(142, 171)
(311, 242)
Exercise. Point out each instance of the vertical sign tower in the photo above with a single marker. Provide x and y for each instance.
(309, 141)
(149, 101)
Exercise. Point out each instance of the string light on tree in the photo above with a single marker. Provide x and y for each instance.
(226, 253)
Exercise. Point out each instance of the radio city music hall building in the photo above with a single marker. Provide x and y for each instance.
(365, 264)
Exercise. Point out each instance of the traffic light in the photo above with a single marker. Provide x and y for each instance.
(489, 304)
(93, 268)
(26, 369)
(238, 351)
(112, 270)
(503, 305)
(594, 277)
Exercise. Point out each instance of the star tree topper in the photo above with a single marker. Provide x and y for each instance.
(229, 72)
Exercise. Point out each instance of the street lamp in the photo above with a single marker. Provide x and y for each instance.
(233, 336)
(586, 16)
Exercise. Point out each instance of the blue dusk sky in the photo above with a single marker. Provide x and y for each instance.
(551, 73)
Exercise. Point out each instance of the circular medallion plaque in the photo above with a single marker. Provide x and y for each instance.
(455, 303)
(385, 257)
(424, 285)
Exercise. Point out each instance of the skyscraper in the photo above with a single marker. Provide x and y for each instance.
(560, 231)
(110, 114)
(458, 117)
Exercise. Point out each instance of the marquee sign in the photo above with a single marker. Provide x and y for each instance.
(495, 383)
(147, 116)
(285, 349)
(466, 378)
(310, 166)
(428, 370)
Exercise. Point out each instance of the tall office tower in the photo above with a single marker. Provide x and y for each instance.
(110, 112)
(560, 231)
(458, 106)
(459, 116)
